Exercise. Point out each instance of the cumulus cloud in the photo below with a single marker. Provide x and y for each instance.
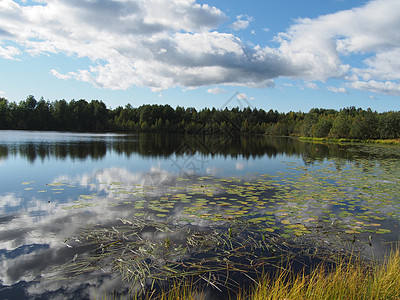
(336, 89)
(216, 91)
(384, 66)
(9, 201)
(242, 96)
(57, 74)
(242, 22)
(162, 44)
(287, 84)
(9, 52)
(318, 44)
(311, 85)
(387, 87)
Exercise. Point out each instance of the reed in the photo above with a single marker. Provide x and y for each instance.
(346, 280)
(165, 261)
(354, 279)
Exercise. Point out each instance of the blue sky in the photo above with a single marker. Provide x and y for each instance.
(287, 55)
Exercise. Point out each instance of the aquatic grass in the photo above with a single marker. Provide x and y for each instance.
(353, 279)
(350, 279)
(177, 290)
(150, 253)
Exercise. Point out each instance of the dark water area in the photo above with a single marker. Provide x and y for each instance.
(51, 145)
(73, 200)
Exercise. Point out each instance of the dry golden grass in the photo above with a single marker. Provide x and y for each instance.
(348, 281)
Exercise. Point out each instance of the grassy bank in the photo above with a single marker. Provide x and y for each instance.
(345, 281)
(328, 140)
(354, 280)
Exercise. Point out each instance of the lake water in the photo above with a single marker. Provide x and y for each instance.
(66, 197)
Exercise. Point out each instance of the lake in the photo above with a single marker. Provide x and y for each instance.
(87, 215)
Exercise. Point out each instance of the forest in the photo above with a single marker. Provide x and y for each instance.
(94, 116)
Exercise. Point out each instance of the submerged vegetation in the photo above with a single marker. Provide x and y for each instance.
(353, 280)
(305, 233)
(152, 254)
(94, 116)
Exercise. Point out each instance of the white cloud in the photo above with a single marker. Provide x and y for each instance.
(318, 44)
(287, 84)
(216, 91)
(57, 74)
(9, 200)
(240, 166)
(242, 96)
(336, 89)
(384, 66)
(387, 87)
(2, 93)
(162, 44)
(312, 85)
(9, 52)
(242, 22)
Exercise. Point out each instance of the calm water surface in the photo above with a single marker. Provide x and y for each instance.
(56, 185)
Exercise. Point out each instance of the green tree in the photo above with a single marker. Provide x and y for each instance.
(4, 113)
(61, 115)
(43, 116)
(144, 126)
(280, 129)
(322, 128)
(308, 125)
(364, 125)
(30, 103)
(341, 126)
(389, 125)
(245, 126)
(26, 115)
(99, 115)
(81, 115)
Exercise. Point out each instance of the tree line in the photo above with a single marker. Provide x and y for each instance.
(94, 116)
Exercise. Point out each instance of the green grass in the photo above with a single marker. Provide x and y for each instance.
(392, 141)
(343, 140)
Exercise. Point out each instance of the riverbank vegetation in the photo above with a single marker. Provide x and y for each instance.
(349, 123)
(353, 281)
